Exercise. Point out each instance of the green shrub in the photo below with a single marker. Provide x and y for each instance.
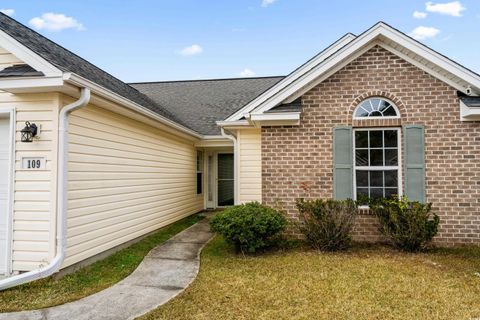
(408, 224)
(249, 227)
(327, 224)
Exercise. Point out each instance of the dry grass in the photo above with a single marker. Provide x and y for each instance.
(365, 283)
(98, 276)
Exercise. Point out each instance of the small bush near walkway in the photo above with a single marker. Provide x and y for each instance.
(409, 225)
(327, 224)
(249, 227)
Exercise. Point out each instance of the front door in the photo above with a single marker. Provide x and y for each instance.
(225, 176)
(4, 178)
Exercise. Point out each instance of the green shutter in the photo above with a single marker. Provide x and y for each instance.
(414, 140)
(342, 163)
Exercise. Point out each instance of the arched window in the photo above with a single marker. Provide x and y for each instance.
(376, 107)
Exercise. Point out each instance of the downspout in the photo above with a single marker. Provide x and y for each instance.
(236, 167)
(62, 180)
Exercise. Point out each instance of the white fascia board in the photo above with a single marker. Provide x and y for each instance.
(233, 124)
(432, 56)
(101, 91)
(469, 113)
(28, 56)
(281, 116)
(293, 76)
(31, 84)
(350, 51)
(214, 141)
(310, 75)
(275, 119)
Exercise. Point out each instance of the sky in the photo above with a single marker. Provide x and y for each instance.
(146, 40)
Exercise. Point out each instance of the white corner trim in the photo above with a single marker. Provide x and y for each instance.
(28, 56)
(289, 88)
(11, 188)
(293, 76)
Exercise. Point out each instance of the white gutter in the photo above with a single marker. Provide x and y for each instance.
(101, 91)
(236, 167)
(62, 180)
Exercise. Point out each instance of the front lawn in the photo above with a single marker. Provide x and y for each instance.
(367, 282)
(98, 276)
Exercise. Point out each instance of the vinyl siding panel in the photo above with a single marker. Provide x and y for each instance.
(126, 179)
(250, 165)
(35, 191)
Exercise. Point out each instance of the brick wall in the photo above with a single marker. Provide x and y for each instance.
(303, 154)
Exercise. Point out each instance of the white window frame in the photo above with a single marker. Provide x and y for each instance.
(381, 98)
(378, 168)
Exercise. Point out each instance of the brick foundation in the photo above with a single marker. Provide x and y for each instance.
(303, 154)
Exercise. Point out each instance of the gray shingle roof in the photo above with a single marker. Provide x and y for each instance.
(294, 106)
(20, 70)
(200, 103)
(67, 61)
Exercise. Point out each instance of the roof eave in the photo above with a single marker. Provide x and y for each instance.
(112, 96)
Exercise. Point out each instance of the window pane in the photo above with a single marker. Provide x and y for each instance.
(376, 157)
(390, 138)
(383, 106)
(391, 178)
(376, 193)
(362, 194)
(361, 157)
(376, 139)
(362, 178)
(389, 112)
(389, 192)
(391, 157)
(376, 178)
(199, 183)
(361, 139)
(361, 112)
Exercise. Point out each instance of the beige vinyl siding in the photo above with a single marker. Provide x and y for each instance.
(250, 165)
(35, 191)
(126, 179)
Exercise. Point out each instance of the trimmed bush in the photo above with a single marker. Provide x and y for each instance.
(327, 224)
(249, 227)
(410, 225)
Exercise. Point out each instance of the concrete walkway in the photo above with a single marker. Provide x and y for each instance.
(164, 273)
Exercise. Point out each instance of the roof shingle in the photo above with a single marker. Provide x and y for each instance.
(200, 103)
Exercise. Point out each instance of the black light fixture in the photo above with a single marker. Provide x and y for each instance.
(29, 132)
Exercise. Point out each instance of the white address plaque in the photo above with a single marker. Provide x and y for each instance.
(33, 163)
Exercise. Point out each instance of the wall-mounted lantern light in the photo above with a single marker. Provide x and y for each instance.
(29, 132)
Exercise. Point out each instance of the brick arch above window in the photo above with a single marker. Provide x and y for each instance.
(376, 121)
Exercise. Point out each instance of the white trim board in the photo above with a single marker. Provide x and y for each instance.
(10, 111)
(28, 56)
(305, 78)
(293, 76)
